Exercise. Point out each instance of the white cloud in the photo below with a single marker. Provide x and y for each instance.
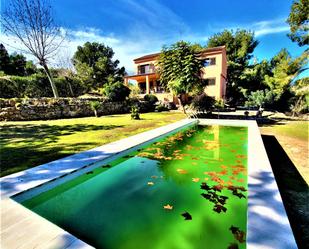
(260, 28)
(270, 27)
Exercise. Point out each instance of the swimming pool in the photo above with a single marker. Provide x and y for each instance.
(166, 202)
(185, 190)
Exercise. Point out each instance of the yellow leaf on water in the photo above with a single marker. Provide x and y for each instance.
(150, 183)
(195, 179)
(168, 207)
(154, 177)
(206, 179)
(182, 171)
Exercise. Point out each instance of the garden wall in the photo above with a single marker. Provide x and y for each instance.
(51, 108)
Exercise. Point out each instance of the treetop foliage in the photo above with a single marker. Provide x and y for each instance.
(94, 64)
(179, 68)
(299, 22)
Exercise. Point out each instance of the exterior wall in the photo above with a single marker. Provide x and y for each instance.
(214, 71)
(50, 108)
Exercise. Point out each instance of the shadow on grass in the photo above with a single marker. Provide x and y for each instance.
(26, 146)
(293, 189)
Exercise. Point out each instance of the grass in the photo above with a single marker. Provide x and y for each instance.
(28, 144)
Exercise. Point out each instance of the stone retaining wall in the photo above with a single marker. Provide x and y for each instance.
(50, 108)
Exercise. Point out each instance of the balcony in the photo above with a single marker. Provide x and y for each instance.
(146, 69)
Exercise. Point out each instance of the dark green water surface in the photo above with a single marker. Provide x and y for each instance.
(185, 191)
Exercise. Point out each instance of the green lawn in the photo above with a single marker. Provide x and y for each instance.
(295, 129)
(293, 137)
(28, 144)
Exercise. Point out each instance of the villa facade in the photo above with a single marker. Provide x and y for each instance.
(214, 74)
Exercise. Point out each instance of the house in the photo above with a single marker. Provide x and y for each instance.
(214, 74)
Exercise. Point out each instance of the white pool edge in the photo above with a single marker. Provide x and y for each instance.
(268, 225)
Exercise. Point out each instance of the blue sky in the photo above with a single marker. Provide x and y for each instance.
(136, 27)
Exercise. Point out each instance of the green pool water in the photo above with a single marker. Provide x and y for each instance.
(185, 191)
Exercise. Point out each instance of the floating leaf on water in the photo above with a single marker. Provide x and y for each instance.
(195, 179)
(222, 200)
(154, 177)
(206, 178)
(205, 186)
(238, 234)
(206, 196)
(194, 158)
(168, 207)
(219, 208)
(187, 216)
(233, 246)
(223, 172)
(217, 188)
(182, 171)
(150, 183)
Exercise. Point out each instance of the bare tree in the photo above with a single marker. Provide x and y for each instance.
(31, 21)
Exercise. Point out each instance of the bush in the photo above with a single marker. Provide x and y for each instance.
(135, 112)
(116, 92)
(151, 98)
(69, 86)
(203, 103)
(95, 105)
(161, 108)
(7, 88)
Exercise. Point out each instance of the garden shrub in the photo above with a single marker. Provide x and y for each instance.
(161, 108)
(151, 98)
(116, 92)
(203, 102)
(135, 112)
(95, 105)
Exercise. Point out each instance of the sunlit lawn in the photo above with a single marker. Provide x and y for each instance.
(293, 137)
(28, 144)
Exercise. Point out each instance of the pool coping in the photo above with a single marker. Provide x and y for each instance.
(268, 227)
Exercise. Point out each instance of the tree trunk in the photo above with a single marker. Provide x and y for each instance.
(51, 81)
(181, 104)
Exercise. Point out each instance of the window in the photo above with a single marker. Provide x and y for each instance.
(145, 69)
(209, 82)
(210, 62)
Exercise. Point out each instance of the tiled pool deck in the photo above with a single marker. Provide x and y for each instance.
(268, 225)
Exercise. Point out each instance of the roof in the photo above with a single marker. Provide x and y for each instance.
(153, 56)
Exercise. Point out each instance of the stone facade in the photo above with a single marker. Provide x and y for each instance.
(51, 108)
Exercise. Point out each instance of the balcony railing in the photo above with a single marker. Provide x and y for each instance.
(146, 69)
